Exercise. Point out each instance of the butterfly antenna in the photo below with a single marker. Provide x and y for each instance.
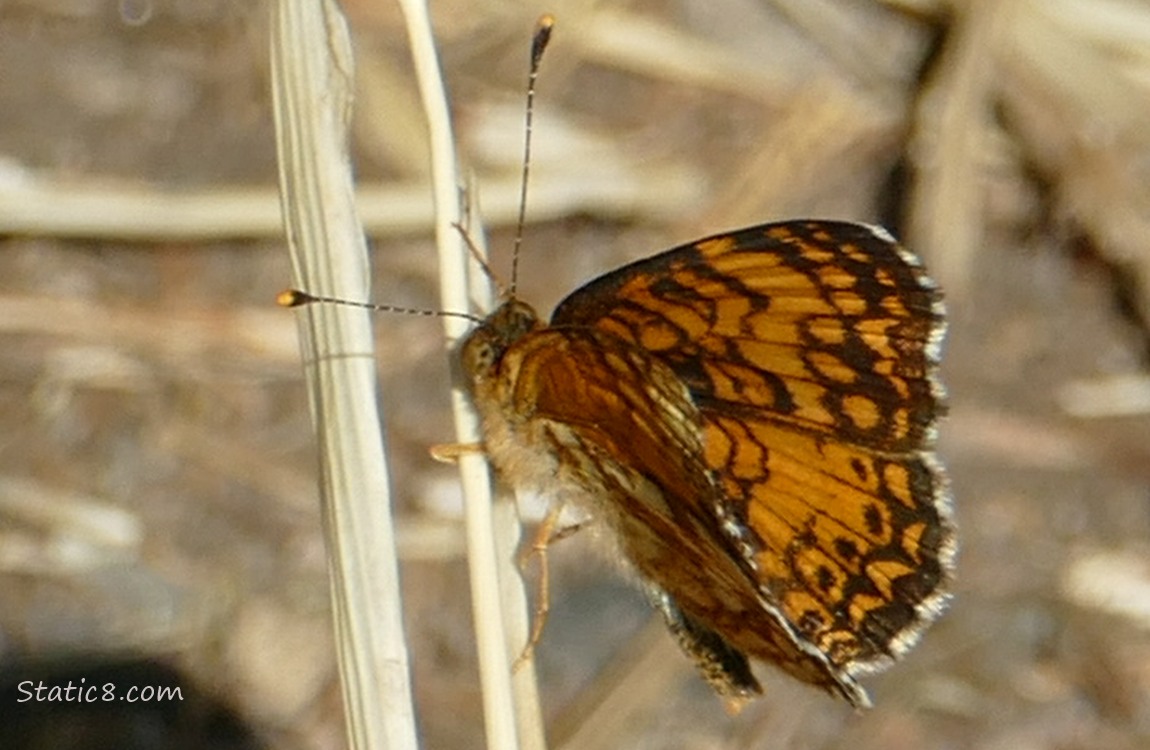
(296, 298)
(538, 44)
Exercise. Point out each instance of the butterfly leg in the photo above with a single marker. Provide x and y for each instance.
(478, 257)
(449, 453)
(538, 549)
(567, 531)
(545, 536)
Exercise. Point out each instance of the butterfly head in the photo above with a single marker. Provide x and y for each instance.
(483, 348)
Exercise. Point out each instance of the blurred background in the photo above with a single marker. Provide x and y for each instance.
(158, 502)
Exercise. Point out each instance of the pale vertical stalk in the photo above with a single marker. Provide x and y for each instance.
(946, 212)
(311, 72)
(511, 706)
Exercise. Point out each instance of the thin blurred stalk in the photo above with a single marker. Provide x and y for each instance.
(97, 207)
(510, 702)
(311, 85)
(947, 217)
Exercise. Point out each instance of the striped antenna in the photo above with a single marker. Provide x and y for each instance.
(538, 45)
(296, 298)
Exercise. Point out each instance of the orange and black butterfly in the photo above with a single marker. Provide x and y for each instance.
(752, 417)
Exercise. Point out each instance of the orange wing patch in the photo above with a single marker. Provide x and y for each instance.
(850, 543)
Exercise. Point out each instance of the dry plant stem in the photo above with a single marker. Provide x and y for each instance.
(311, 79)
(106, 207)
(946, 219)
(639, 43)
(511, 708)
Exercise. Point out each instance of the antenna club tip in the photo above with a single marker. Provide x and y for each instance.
(542, 36)
(292, 298)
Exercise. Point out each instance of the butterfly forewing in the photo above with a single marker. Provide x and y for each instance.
(825, 324)
(809, 349)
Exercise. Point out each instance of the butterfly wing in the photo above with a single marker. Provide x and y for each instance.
(809, 349)
(577, 410)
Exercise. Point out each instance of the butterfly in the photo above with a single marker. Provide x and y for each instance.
(751, 417)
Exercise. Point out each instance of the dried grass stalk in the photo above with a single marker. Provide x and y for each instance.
(510, 702)
(311, 80)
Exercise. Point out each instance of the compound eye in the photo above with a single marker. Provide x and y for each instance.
(485, 356)
(478, 356)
